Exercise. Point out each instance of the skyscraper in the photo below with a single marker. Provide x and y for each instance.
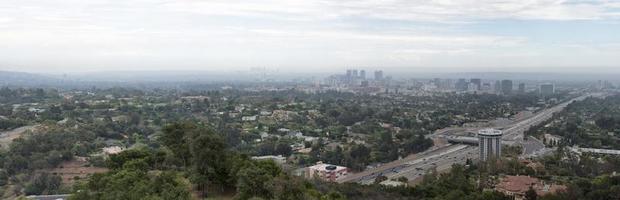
(489, 144)
(363, 74)
(506, 87)
(461, 85)
(378, 75)
(498, 87)
(477, 82)
(521, 88)
(547, 89)
(354, 73)
(486, 87)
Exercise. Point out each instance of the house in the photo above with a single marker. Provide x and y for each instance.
(279, 159)
(49, 197)
(552, 139)
(392, 183)
(36, 110)
(248, 118)
(112, 150)
(234, 114)
(283, 115)
(536, 166)
(300, 135)
(326, 172)
(517, 186)
(304, 150)
(295, 134)
(120, 118)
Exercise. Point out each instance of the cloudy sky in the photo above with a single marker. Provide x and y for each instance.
(309, 35)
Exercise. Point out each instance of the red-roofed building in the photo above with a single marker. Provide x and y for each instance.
(517, 186)
(326, 172)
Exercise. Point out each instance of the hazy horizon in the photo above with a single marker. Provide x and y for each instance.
(205, 76)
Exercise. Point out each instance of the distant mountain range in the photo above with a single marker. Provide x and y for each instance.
(23, 78)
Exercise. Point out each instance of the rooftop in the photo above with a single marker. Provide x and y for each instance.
(49, 197)
(521, 184)
(490, 132)
(326, 167)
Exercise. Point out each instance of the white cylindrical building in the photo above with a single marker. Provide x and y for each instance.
(490, 143)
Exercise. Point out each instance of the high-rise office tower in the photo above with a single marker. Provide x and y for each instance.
(477, 82)
(506, 87)
(521, 88)
(364, 83)
(461, 85)
(498, 87)
(378, 75)
(489, 144)
(547, 89)
(486, 87)
(363, 74)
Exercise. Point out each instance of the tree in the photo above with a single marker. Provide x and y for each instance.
(175, 137)
(43, 183)
(252, 182)
(417, 144)
(403, 179)
(132, 184)
(283, 149)
(380, 179)
(530, 194)
(385, 150)
(209, 159)
(117, 161)
(4, 177)
(287, 188)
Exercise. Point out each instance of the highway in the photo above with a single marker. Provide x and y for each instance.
(532, 146)
(514, 131)
(443, 157)
(415, 167)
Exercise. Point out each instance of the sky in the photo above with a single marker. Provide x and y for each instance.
(54, 36)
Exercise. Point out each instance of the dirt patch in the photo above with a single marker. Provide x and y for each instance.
(6, 137)
(70, 171)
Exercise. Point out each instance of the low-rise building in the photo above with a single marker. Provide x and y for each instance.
(283, 115)
(517, 186)
(392, 183)
(249, 118)
(112, 150)
(552, 139)
(304, 151)
(49, 197)
(279, 159)
(326, 172)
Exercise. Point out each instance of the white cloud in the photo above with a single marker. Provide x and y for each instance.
(236, 33)
(415, 10)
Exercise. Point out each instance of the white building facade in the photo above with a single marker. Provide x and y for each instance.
(490, 144)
